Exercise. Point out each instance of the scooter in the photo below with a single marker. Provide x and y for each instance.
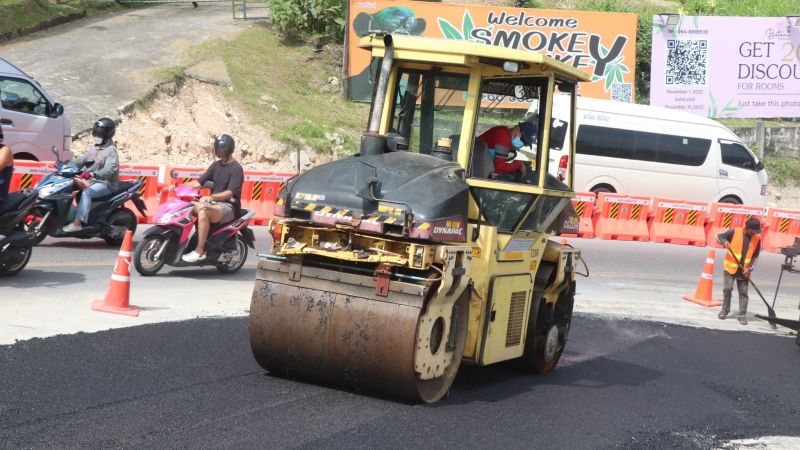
(16, 244)
(108, 216)
(168, 240)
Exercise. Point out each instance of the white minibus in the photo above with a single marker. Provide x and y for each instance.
(33, 123)
(657, 152)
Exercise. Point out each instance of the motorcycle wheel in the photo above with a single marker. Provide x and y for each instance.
(35, 217)
(122, 217)
(144, 256)
(15, 268)
(235, 265)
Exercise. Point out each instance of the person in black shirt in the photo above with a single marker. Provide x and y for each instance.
(223, 205)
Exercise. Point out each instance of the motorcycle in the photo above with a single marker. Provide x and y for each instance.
(108, 216)
(168, 240)
(16, 244)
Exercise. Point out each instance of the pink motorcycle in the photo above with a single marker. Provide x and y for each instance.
(171, 237)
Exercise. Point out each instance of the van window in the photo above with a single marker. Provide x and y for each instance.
(642, 146)
(737, 156)
(19, 95)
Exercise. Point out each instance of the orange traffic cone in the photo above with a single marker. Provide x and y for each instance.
(702, 296)
(119, 288)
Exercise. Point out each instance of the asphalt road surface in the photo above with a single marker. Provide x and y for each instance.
(194, 384)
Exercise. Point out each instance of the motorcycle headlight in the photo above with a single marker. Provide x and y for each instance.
(167, 218)
(50, 189)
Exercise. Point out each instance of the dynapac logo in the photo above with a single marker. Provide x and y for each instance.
(449, 230)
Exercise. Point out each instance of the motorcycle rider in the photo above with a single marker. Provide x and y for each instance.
(6, 168)
(223, 205)
(101, 174)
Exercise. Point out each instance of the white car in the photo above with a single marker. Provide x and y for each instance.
(33, 123)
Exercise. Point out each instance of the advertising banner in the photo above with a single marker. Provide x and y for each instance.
(726, 66)
(601, 44)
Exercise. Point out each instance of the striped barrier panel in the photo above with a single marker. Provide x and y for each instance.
(622, 217)
(149, 191)
(584, 204)
(678, 222)
(726, 215)
(28, 173)
(781, 228)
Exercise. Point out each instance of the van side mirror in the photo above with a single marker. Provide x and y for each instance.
(759, 166)
(58, 110)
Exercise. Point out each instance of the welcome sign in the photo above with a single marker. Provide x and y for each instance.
(601, 44)
(727, 66)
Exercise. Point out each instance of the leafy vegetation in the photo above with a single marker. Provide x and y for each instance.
(22, 14)
(266, 72)
(782, 170)
(297, 19)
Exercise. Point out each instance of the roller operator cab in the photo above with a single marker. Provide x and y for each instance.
(392, 267)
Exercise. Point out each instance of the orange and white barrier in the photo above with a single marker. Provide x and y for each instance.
(259, 191)
(149, 191)
(678, 222)
(726, 215)
(584, 204)
(781, 228)
(622, 217)
(28, 173)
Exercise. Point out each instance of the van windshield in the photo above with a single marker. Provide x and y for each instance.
(642, 146)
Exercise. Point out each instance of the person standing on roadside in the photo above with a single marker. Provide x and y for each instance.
(742, 244)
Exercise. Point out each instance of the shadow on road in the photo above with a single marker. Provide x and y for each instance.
(505, 380)
(34, 279)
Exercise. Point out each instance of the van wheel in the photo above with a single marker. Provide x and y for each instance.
(603, 188)
(731, 199)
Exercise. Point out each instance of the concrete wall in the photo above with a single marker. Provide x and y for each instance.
(782, 141)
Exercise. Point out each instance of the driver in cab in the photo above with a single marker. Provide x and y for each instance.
(503, 143)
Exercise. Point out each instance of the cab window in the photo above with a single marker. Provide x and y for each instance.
(428, 111)
(507, 132)
(21, 96)
(737, 156)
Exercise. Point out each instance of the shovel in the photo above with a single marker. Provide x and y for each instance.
(770, 311)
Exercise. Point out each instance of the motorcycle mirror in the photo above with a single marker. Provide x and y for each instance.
(208, 184)
(55, 151)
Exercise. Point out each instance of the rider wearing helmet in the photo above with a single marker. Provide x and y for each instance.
(101, 171)
(6, 168)
(223, 205)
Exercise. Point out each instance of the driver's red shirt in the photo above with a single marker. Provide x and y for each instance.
(504, 167)
(497, 136)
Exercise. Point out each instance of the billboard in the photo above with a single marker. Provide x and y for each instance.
(727, 66)
(601, 44)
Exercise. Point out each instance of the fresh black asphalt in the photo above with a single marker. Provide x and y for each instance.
(194, 384)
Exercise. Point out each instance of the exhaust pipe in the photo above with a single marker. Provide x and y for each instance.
(373, 143)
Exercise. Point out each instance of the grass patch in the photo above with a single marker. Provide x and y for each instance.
(751, 123)
(783, 170)
(23, 14)
(266, 72)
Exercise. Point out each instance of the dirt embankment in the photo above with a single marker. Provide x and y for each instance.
(178, 127)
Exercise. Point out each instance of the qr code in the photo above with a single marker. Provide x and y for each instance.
(622, 92)
(686, 61)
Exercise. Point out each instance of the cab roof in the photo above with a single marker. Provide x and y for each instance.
(465, 53)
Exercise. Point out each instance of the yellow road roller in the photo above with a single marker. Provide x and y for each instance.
(431, 246)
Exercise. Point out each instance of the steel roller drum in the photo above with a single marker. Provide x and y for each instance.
(353, 340)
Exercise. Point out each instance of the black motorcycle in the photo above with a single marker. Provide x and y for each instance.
(108, 216)
(16, 244)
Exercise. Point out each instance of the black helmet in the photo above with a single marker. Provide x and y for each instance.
(104, 129)
(223, 146)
